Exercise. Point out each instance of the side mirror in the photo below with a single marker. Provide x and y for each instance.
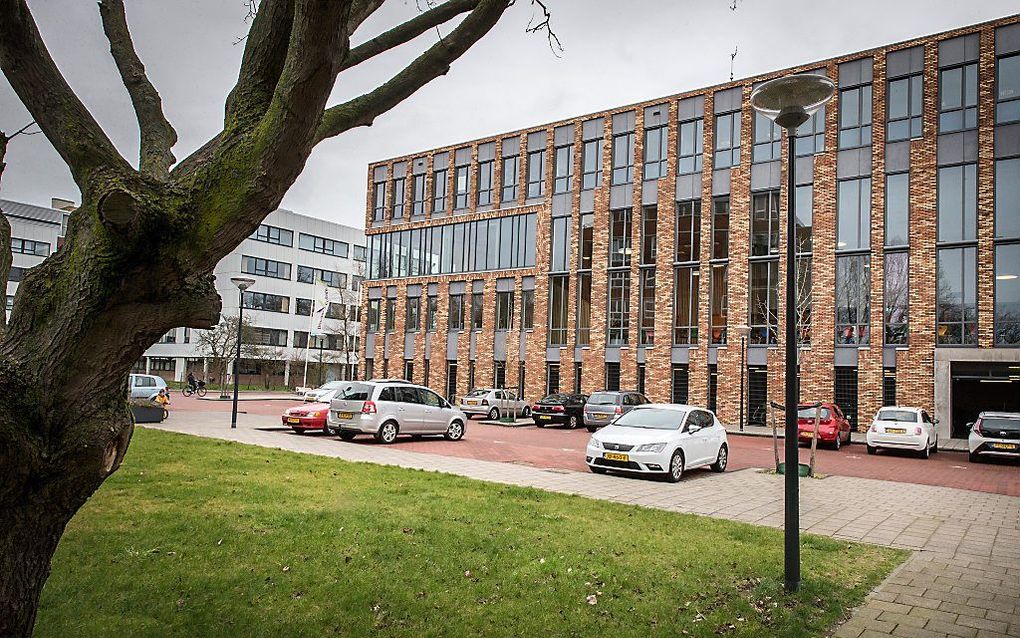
(970, 426)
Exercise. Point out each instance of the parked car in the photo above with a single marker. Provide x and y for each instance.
(388, 407)
(318, 394)
(833, 427)
(994, 434)
(492, 403)
(603, 407)
(903, 429)
(663, 439)
(309, 416)
(561, 408)
(145, 386)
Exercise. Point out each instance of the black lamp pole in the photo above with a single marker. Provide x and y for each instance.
(237, 358)
(792, 468)
(743, 369)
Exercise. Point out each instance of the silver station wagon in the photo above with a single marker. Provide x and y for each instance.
(603, 407)
(386, 408)
(494, 403)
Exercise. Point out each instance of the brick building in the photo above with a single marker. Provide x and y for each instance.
(639, 247)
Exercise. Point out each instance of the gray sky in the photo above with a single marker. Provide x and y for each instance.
(615, 52)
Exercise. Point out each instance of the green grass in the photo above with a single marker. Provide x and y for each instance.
(196, 537)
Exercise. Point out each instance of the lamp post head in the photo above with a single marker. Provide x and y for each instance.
(242, 283)
(742, 331)
(791, 100)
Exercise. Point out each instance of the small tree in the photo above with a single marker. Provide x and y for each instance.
(219, 345)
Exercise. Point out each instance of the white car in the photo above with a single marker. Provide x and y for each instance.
(660, 439)
(897, 428)
(492, 403)
(317, 395)
(995, 434)
(145, 386)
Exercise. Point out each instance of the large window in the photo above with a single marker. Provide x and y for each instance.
(811, 134)
(552, 378)
(685, 305)
(805, 217)
(690, 143)
(719, 303)
(958, 94)
(267, 337)
(646, 334)
(897, 209)
(619, 238)
(439, 179)
(853, 292)
(1007, 89)
(30, 247)
(560, 246)
(527, 309)
(373, 313)
(309, 275)
(904, 108)
(558, 300)
(896, 297)
(412, 318)
(264, 267)
(431, 312)
(957, 203)
(418, 195)
(586, 241)
(536, 174)
(504, 310)
(281, 236)
(649, 238)
(456, 311)
(511, 177)
(855, 116)
(727, 140)
(391, 314)
(265, 301)
(764, 302)
(768, 139)
(378, 201)
(563, 168)
(1007, 294)
(688, 230)
(656, 151)
(765, 224)
(322, 245)
(721, 228)
(477, 308)
(485, 176)
(1007, 198)
(956, 296)
(399, 184)
(584, 308)
(591, 159)
(461, 186)
(803, 308)
(853, 213)
(623, 157)
(619, 307)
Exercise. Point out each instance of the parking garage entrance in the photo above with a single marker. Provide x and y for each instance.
(981, 387)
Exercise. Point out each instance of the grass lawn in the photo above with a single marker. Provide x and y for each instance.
(196, 537)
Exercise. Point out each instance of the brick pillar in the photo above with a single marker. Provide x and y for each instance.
(485, 340)
(986, 190)
(437, 355)
(658, 358)
(628, 353)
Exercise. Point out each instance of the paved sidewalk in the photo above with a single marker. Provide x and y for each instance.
(963, 580)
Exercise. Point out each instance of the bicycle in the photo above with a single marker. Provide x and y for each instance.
(199, 390)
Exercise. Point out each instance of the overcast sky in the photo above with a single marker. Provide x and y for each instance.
(615, 52)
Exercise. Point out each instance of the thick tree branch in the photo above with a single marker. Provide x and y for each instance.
(265, 51)
(408, 31)
(362, 110)
(157, 135)
(360, 11)
(68, 125)
(5, 251)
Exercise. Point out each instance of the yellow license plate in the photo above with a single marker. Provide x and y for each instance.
(600, 416)
(345, 415)
(612, 456)
(895, 431)
(544, 418)
(293, 420)
(472, 402)
(1004, 446)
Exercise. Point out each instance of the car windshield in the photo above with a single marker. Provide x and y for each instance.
(555, 399)
(602, 398)
(651, 419)
(354, 392)
(332, 385)
(477, 393)
(327, 397)
(809, 413)
(994, 424)
(900, 416)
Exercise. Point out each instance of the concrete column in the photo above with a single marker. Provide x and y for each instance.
(286, 373)
(180, 365)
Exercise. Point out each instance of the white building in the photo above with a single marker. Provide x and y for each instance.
(286, 257)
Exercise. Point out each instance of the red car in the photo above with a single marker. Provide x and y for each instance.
(307, 417)
(833, 427)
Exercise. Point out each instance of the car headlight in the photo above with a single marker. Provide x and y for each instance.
(320, 413)
(595, 443)
(650, 447)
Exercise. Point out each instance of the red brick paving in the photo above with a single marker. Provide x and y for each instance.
(557, 448)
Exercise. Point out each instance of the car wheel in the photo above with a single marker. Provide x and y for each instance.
(346, 435)
(926, 452)
(597, 470)
(592, 428)
(455, 432)
(526, 412)
(872, 449)
(935, 447)
(849, 437)
(838, 443)
(494, 414)
(539, 424)
(572, 424)
(721, 459)
(676, 467)
(387, 433)
(298, 430)
(974, 458)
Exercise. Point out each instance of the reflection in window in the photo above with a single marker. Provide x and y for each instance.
(1007, 198)
(768, 137)
(618, 317)
(558, 300)
(805, 217)
(591, 158)
(656, 151)
(646, 333)
(1007, 294)
(958, 88)
(855, 117)
(957, 203)
(584, 308)
(563, 168)
(690, 144)
(649, 240)
(897, 209)
(764, 302)
(956, 296)
(904, 106)
(1007, 107)
(619, 238)
(536, 174)
(896, 297)
(853, 291)
(685, 306)
(504, 310)
(721, 228)
(853, 213)
(623, 158)
(688, 231)
(765, 224)
(719, 304)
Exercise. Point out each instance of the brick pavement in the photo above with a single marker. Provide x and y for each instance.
(963, 579)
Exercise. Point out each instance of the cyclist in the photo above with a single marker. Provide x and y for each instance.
(192, 382)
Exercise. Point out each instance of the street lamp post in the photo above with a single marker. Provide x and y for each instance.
(789, 102)
(242, 283)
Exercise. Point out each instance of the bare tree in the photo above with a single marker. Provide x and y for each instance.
(347, 327)
(219, 345)
(87, 313)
